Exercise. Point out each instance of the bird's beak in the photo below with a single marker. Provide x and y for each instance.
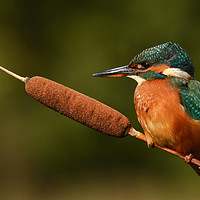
(117, 72)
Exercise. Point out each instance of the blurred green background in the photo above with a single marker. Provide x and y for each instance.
(44, 155)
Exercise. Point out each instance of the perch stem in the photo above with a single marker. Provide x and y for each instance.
(23, 79)
(141, 136)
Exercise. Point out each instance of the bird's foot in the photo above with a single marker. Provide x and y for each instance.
(150, 142)
(150, 145)
(188, 158)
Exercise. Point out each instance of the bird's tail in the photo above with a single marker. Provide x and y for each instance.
(196, 168)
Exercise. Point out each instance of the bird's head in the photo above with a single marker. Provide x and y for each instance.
(167, 59)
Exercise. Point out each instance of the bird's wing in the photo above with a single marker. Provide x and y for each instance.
(190, 98)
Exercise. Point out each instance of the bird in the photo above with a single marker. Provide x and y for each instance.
(166, 98)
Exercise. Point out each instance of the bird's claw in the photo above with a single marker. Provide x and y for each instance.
(188, 158)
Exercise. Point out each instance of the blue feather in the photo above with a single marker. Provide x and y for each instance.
(170, 54)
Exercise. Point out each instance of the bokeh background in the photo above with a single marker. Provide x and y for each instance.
(44, 155)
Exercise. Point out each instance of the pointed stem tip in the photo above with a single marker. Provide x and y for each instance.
(23, 79)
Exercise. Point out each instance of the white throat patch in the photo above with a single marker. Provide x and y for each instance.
(137, 78)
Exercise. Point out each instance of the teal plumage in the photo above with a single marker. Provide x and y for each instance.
(190, 98)
(148, 75)
(167, 97)
(169, 53)
(189, 92)
(173, 55)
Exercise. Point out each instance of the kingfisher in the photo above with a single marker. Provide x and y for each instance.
(167, 97)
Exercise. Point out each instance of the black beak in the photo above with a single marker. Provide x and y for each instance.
(117, 72)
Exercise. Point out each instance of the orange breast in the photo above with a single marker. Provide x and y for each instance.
(164, 119)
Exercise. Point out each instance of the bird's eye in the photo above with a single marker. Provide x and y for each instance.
(145, 65)
(140, 65)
